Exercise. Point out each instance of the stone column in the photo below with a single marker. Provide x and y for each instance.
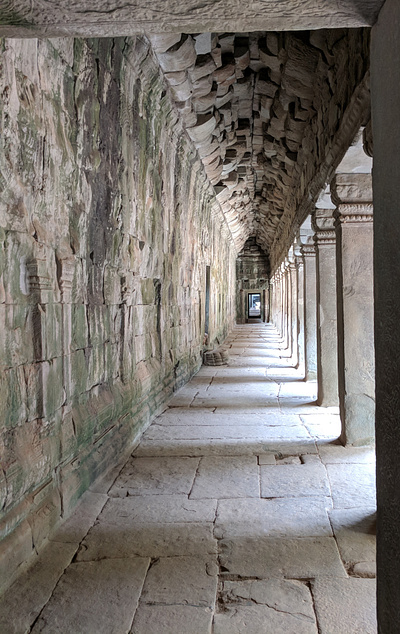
(286, 308)
(385, 99)
(272, 292)
(309, 252)
(293, 322)
(300, 307)
(327, 362)
(354, 235)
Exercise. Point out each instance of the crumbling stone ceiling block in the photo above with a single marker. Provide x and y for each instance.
(112, 18)
(262, 109)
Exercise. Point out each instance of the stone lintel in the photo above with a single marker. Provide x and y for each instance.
(98, 18)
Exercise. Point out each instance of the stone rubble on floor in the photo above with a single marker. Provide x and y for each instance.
(238, 513)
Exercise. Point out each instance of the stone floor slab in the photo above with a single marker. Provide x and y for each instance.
(172, 619)
(213, 440)
(160, 509)
(223, 447)
(345, 605)
(268, 605)
(227, 477)
(260, 619)
(353, 485)
(149, 476)
(267, 459)
(291, 558)
(257, 432)
(337, 454)
(21, 604)
(95, 596)
(182, 580)
(355, 533)
(77, 525)
(106, 540)
(292, 480)
(287, 518)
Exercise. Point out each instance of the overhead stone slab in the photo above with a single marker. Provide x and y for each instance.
(105, 19)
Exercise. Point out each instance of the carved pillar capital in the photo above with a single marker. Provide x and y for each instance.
(352, 193)
(323, 222)
(309, 250)
(351, 189)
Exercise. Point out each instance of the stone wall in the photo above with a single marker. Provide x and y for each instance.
(252, 276)
(107, 224)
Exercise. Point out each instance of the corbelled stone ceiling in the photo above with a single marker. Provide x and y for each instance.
(262, 109)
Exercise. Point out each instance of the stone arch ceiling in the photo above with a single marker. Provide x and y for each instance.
(262, 109)
(261, 103)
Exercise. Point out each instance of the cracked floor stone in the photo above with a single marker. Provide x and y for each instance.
(238, 512)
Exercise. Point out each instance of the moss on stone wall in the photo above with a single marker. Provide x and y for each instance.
(106, 227)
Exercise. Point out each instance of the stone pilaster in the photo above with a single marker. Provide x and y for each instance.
(354, 228)
(327, 362)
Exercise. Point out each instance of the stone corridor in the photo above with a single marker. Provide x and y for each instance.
(238, 512)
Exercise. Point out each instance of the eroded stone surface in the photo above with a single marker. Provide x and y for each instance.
(182, 580)
(23, 601)
(353, 485)
(294, 480)
(171, 619)
(226, 477)
(297, 517)
(108, 540)
(155, 476)
(161, 509)
(115, 587)
(272, 605)
(345, 605)
(238, 564)
(355, 533)
(293, 558)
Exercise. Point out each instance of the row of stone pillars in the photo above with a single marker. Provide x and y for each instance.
(322, 303)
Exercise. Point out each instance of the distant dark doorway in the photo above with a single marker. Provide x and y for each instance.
(254, 305)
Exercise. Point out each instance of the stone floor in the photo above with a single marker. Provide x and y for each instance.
(237, 513)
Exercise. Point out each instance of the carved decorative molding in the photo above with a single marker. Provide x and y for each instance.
(325, 237)
(355, 213)
(309, 250)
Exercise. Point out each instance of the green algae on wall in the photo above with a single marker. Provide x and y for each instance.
(107, 224)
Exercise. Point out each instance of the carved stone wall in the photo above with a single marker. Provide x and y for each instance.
(107, 224)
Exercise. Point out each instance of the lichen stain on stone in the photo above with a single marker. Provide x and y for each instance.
(103, 212)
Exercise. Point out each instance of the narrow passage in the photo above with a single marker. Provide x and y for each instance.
(237, 513)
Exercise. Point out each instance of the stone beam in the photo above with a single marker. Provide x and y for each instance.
(101, 18)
